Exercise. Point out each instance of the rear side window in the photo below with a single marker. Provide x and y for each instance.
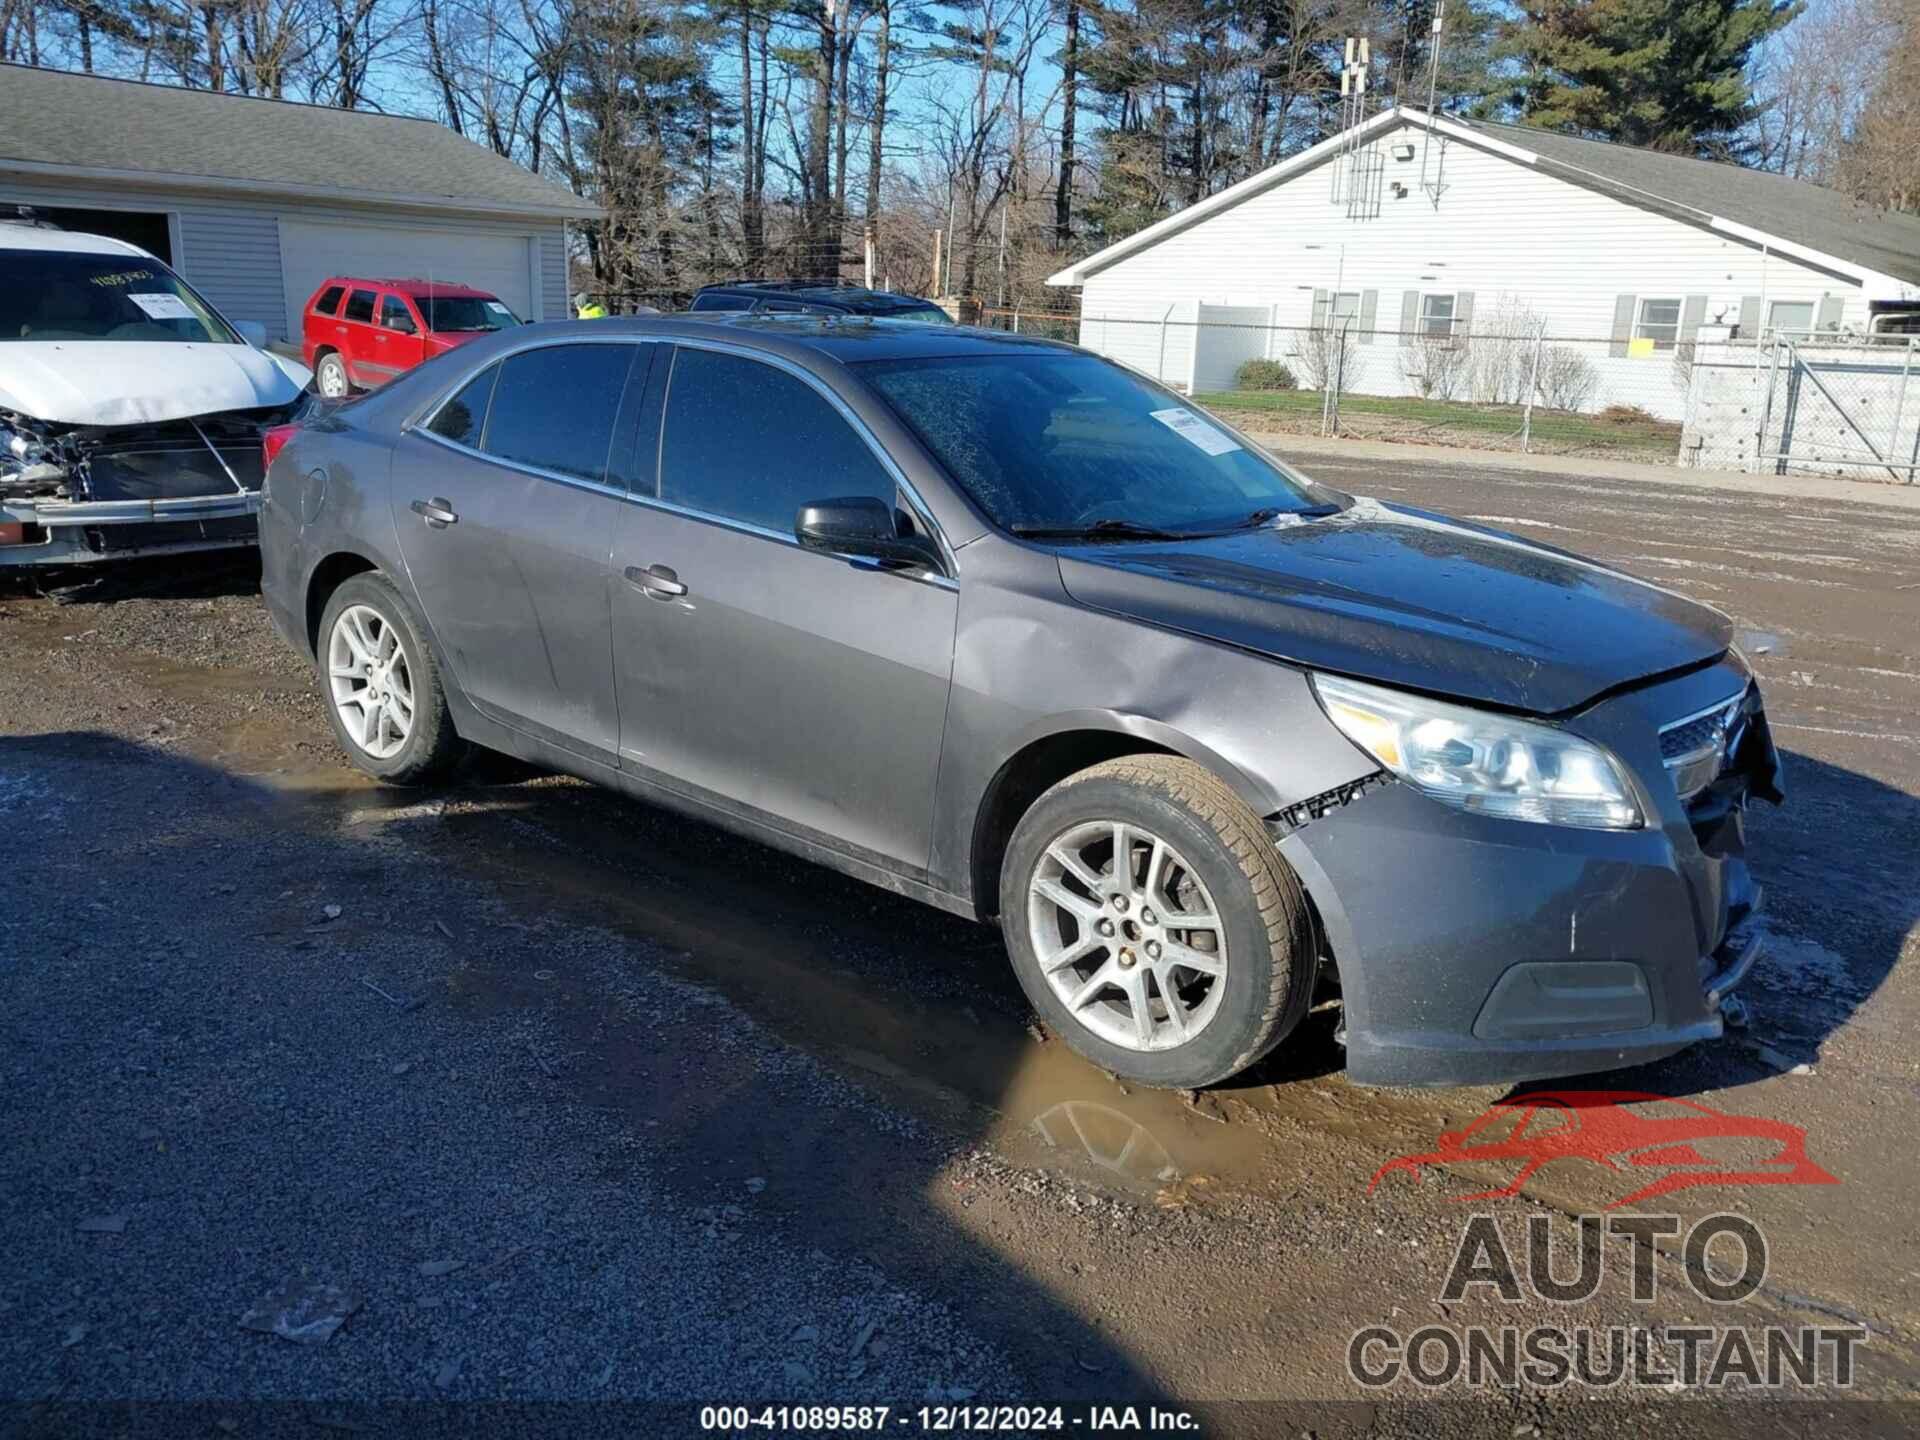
(721, 302)
(751, 443)
(360, 306)
(464, 417)
(554, 407)
(329, 300)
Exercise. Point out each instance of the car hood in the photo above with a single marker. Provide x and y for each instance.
(1406, 598)
(117, 382)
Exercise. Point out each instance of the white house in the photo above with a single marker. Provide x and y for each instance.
(255, 202)
(1413, 231)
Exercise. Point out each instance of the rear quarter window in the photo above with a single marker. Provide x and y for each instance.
(463, 418)
(329, 300)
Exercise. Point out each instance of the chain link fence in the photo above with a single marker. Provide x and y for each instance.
(1825, 404)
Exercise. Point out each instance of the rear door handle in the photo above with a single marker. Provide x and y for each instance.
(436, 512)
(658, 581)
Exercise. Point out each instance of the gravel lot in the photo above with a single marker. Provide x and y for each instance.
(577, 1101)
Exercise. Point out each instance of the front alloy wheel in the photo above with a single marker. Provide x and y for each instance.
(1127, 935)
(1153, 924)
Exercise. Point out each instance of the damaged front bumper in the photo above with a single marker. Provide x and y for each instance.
(1476, 950)
(76, 495)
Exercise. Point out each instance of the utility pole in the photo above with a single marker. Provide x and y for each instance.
(1003, 254)
(867, 245)
(936, 262)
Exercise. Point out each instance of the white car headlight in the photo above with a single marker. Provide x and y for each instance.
(1488, 763)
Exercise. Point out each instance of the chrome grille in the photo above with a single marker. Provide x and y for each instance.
(1694, 747)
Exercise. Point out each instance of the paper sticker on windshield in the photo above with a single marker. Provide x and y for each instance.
(1190, 427)
(498, 308)
(162, 306)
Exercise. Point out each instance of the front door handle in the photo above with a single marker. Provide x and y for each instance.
(436, 512)
(658, 581)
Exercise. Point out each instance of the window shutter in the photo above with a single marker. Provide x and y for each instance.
(1409, 315)
(1749, 317)
(1319, 309)
(1623, 307)
(1369, 314)
(1830, 308)
(1692, 316)
(1462, 314)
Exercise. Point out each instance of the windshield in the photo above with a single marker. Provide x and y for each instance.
(464, 312)
(1068, 442)
(55, 295)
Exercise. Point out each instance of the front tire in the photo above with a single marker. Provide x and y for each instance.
(1153, 925)
(381, 686)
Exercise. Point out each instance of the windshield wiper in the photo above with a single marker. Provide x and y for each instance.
(1273, 512)
(1109, 529)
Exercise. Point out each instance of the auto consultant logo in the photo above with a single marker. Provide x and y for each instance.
(1653, 1145)
(1664, 1143)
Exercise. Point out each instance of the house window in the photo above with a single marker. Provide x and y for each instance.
(1793, 316)
(1659, 322)
(1436, 316)
(1345, 307)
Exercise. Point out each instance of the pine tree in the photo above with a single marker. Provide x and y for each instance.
(1669, 74)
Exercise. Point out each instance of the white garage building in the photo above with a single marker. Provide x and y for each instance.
(256, 202)
(1408, 230)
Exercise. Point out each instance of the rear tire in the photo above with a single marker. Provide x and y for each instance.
(330, 376)
(381, 686)
(1097, 946)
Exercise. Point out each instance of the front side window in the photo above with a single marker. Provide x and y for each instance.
(747, 442)
(1659, 322)
(61, 295)
(464, 418)
(1436, 316)
(394, 316)
(360, 307)
(329, 300)
(1055, 440)
(554, 407)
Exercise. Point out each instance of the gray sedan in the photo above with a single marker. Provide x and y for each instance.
(1002, 626)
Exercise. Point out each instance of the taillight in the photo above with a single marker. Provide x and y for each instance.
(273, 440)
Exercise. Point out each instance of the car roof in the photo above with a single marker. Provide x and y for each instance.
(852, 297)
(16, 235)
(814, 340)
(413, 285)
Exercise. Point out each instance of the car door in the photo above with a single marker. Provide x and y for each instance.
(398, 345)
(806, 689)
(357, 329)
(506, 500)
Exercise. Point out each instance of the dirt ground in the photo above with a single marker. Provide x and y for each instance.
(579, 1101)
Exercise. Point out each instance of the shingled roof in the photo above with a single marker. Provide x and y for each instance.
(55, 122)
(1794, 210)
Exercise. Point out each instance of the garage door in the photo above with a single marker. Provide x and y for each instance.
(310, 252)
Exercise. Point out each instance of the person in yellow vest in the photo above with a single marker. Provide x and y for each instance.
(587, 308)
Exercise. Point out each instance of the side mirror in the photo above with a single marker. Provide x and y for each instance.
(861, 525)
(251, 331)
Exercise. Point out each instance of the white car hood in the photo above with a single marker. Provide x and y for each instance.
(125, 382)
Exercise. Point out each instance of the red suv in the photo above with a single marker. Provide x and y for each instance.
(359, 334)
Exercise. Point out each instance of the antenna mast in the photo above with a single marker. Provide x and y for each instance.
(1433, 92)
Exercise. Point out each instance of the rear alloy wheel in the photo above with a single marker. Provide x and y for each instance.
(1153, 924)
(382, 687)
(331, 377)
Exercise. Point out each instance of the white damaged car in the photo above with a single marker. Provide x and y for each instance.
(132, 414)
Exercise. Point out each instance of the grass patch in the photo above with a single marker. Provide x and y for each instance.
(1556, 428)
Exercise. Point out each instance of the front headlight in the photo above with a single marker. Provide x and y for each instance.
(1492, 764)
